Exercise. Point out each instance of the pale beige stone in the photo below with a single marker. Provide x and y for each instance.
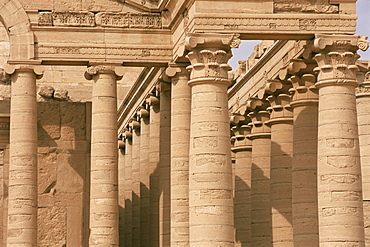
(261, 233)
(304, 180)
(22, 209)
(164, 165)
(337, 106)
(281, 122)
(242, 188)
(180, 134)
(128, 190)
(50, 164)
(211, 218)
(104, 168)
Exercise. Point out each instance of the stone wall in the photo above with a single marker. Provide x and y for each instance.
(64, 167)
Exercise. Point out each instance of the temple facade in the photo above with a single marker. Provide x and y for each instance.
(122, 124)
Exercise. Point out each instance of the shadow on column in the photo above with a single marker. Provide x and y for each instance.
(261, 223)
(241, 212)
(281, 171)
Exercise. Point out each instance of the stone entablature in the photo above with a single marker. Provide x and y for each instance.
(101, 19)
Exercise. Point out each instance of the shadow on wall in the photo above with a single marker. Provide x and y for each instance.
(63, 173)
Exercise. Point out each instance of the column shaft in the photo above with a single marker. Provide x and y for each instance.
(104, 168)
(136, 186)
(260, 196)
(363, 109)
(144, 180)
(154, 118)
(211, 200)
(128, 192)
(22, 200)
(180, 136)
(121, 193)
(339, 170)
(164, 164)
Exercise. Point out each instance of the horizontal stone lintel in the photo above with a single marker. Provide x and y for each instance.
(282, 25)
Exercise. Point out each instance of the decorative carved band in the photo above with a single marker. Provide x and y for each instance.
(269, 22)
(306, 8)
(103, 19)
(98, 50)
(129, 20)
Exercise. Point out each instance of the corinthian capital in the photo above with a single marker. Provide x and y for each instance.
(209, 54)
(336, 58)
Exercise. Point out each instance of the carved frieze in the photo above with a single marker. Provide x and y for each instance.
(46, 50)
(103, 19)
(129, 20)
(306, 6)
(276, 22)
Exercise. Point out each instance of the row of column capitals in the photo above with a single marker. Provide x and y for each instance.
(104, 69)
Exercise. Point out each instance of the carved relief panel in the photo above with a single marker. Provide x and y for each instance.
(308, 6)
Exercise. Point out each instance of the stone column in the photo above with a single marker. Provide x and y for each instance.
(304, 167)
(363, 109)
(104, 168)
(22, 200)
(135, 168)
(165, 164)
(210, 173)
(243, 169)
(260, 180)
(121, 190)
(154, 122)
(281, 122)
(144, 176)
(127, 135)
(339, 171)
(180, 136)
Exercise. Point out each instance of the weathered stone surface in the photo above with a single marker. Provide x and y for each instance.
(60, 94)
(49, 121)
(46, 91)
(52, 230)
(178, 185)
